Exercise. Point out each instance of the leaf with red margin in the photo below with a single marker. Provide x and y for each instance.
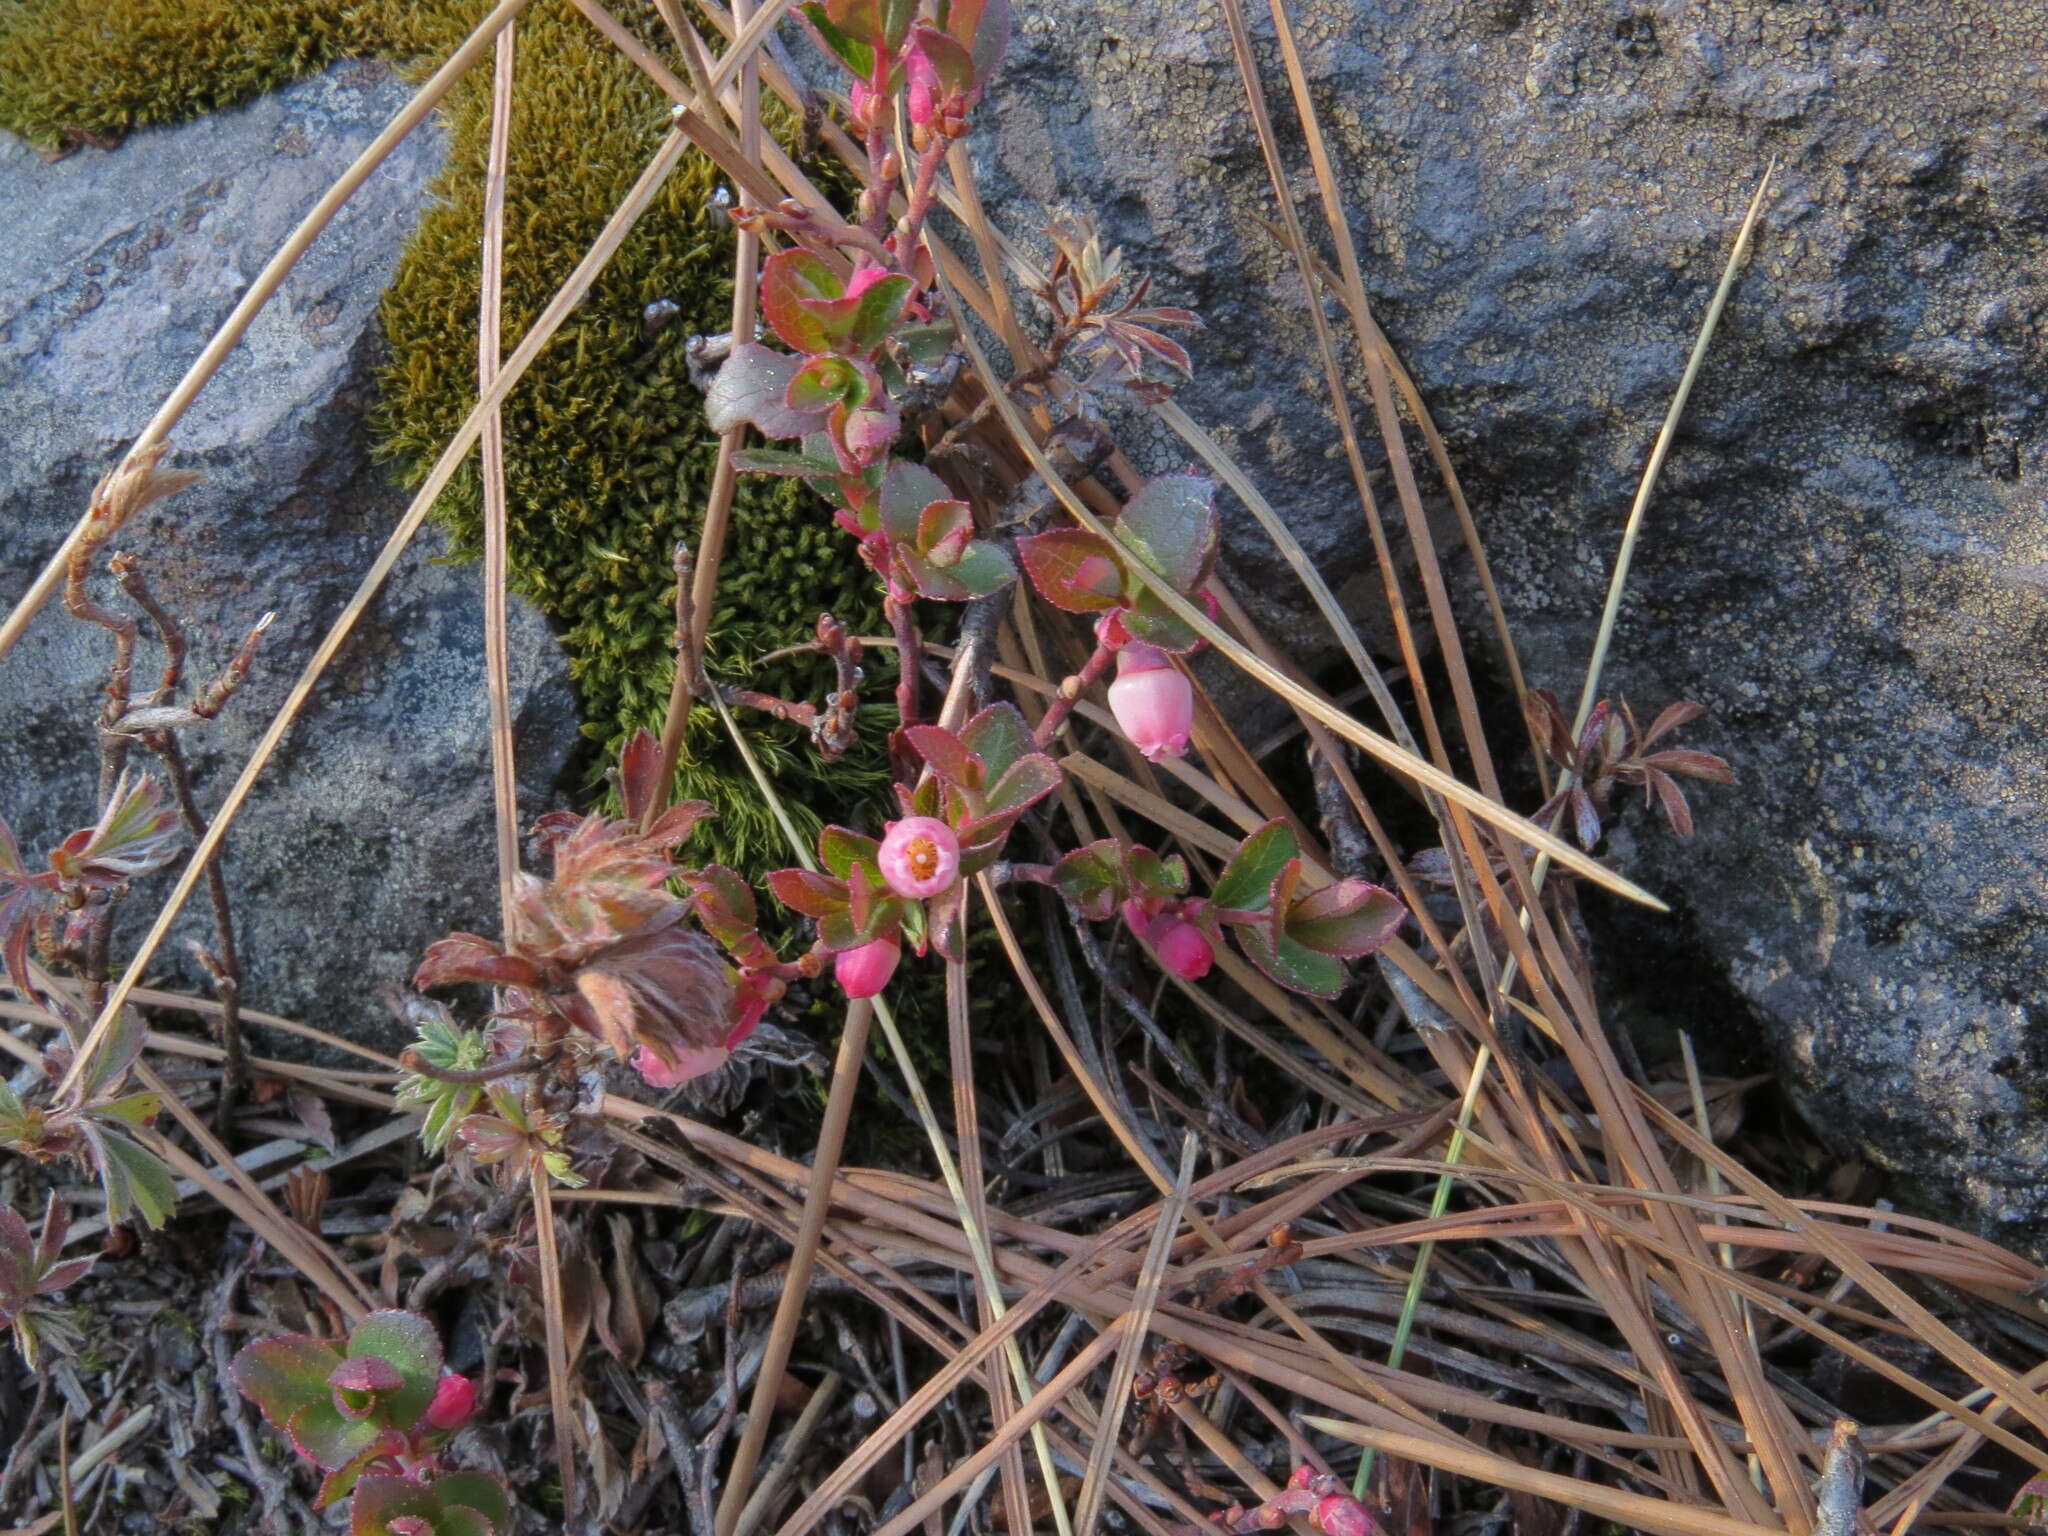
(1347, 920)
(1246, 884)
(808, 892)
(468, 957)
(839, 849)
(281, 1376)
(998, 736)
(949, 756)
(1073, 569)
(409, 1343)
(791, 282)
(1171, 525)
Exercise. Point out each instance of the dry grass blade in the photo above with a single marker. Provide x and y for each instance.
(1088, 1507)
(1634, 1510)
(1389, 753)
(789, 1311)
(491, 447)
(543, 330)
(262, 290)
(554, 1313)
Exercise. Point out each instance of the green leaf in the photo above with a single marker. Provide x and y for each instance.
(134, 1180)
(1091, 878)
(824, 382)
(1171, 525)
(1156, 876)
(808, 892)
(780, 461)
(998, 736)
(907, 489)
(1024, 783)
(863, 323)
(950, 61)
(753, 386)
(1296, 968)
(408, 1342)
(840, 849)
(281, 1376)
(1074, 570)
(1246, 884)
(1150, 620)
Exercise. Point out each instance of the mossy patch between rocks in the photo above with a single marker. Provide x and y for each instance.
(608, 458)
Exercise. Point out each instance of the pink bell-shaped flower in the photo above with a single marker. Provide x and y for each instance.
(920, 857)
(1153, 702)
(454, 1401)
(865, 969)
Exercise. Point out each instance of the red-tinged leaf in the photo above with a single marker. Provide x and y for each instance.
(475, 1490)
(945, 914)
(1348, 919)
(1165, 348)
(1073, 569)
(1589, 733)
(984, 26)
(338, 1484)
(329, 1438)
(1586, 816)
(1672, 798)
(998, 736)
(1150, 620)
(1091, 878)
(1246, 884)
(1698, 765)
(1155, 876)
(365, 1373)
(791, 282)
(808, 892)
(461, 1520)
(851, 50)
(865, 892)
(1171, 524)
(825, 381)
(640, 773)
(859, 323)
(906, 490)
(409, 1343)
(62, 1276)
(381, 1499)
(1684, 712)
(467, 957)
(11, 867)
(949, 756)
(1024, 783)
(753, 386)
(725, 903)
(839, 850)
(981, 569)
(943, 531)
(16, 927)
(281, 1376)
(310, 1110)
(952, 62)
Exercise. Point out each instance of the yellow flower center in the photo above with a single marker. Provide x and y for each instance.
(923, 857)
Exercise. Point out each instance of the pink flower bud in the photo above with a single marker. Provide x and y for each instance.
(690, 1062)
(920, 857)
(1182, 949)
(1137, 918)
(865, 970)
(1302, 1476)
(924, 87)
(454, 1401)
(865, 279)
(1338, 1514)
(1153, 702)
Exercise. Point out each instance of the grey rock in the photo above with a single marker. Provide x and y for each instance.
(370, 835)
(1848, 559)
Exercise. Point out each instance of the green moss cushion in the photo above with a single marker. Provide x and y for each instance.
(608, 458)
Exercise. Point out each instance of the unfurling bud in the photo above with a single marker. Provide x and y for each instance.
(920, 857)
(454, 1401)
(1338, 1514)
(1153, 702)
(866, 969)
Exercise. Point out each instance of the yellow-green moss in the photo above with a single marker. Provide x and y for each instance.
(608, 458)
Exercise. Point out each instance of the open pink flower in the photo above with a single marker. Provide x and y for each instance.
(1153, 702)
(864, 970)
(919, 857)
